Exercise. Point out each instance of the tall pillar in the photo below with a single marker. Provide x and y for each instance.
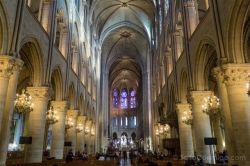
(103, 119)
(58, 130)
(217, 134)
(235, 77)
(80, 135)
(201, 123)
(178, 44)
(93, 137)
(191, 12)
(40, 97)
(47, 10)
(75, 61)
(64, 40)
(6, 63)
(71, 132)
(185, 132)
(88, 135)
(193, 138)
(8, 111)
(225, 110)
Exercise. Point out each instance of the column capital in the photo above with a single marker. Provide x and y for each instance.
(72, 113)
(18, 64)
(218, 73)
(89, 123)
(82, 119)
(189, 3)
(60, 106)
(197, 97)
(40, 93)
(176, 34)
(48, 1)
(6, 65)
(236, 74)
(181, 108)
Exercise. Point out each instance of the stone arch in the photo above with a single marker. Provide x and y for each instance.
(57, 83)
(205, 52)
(183, 86)
(235, 31)
(246, 40)
(31, 53)
(72, 96)
(4, 31)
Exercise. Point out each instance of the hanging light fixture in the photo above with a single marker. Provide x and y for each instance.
(51, 117)
(212, 106)
(166, 128)
(187, 118)
(79, 128)
(87, 130)
(23, 103)
(157, 132)
(92, 132)
(68, 122)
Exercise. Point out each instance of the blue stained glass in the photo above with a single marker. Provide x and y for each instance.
(124, 99)
(132, 99)
(115, 99)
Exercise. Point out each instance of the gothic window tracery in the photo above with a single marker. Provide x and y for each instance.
(124, 99)
(115, 99)
(132, 99)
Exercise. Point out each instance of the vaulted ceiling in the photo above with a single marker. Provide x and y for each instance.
(124, 31)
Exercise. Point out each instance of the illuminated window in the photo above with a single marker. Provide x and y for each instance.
(133, 121)
(124, 99)
(124, 121)
(115, 99)
(166, 6)
(114, 122)
(132, 99)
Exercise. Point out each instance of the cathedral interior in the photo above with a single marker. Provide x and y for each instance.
(100, 76)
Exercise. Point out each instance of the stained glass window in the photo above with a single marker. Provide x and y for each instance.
(115, 99)
(124, 99)
(133, 121)
(166, 6)
(124, 121)
(132, 99)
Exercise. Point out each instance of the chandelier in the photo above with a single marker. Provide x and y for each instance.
(248, 89)
(68, 122)
(79, 128)
(157, 132)
(162, 129)
(187, 118)
(51, 117)
(92, 132)
(212, 106)
(87, 130)
(23, 103)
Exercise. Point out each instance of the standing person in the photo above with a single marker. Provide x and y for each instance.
(201, 163)
(131, 156)
(125, 155)
(69, 156)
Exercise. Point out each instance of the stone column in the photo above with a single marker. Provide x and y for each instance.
(75, 61)
(46, 14)
(162, 76)
(80, 135)
(236, 76)
(8, 111)
(93, 136)
(201, 123)
(58, 129)
(6, 64)
(185, 132)
(37, 121)
(71, 132)
(178, 44)
(64, 40)
(191, 12)
(225, 110)
(193, 138)
(217, 134)
(88, 135)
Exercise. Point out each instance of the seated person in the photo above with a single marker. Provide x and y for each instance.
(102, 158)
(85, 157)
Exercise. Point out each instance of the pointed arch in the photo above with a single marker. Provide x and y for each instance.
(57, 82)
(4, 31)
